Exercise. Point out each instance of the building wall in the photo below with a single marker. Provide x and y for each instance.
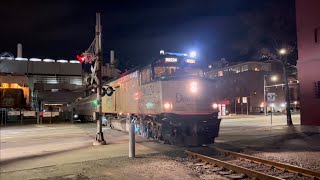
(233, 85)
(308, 23)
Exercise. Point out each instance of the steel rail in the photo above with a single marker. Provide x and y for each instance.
(233, 167)
(291, 168)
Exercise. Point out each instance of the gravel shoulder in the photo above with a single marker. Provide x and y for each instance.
(152, 166)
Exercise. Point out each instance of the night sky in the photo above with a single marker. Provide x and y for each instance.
(138, 30)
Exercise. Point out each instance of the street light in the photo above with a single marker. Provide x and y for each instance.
(295, 105)
(282, 51)
(274, 78)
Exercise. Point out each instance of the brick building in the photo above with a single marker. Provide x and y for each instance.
(241, 86)
(308, 34)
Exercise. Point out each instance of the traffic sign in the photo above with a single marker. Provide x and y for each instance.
(271, 97)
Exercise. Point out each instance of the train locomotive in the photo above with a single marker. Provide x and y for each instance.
(170, 99)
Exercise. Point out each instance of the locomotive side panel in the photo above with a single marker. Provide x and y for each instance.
(124, 99)
(150, 99)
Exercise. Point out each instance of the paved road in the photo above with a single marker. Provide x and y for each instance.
(20, 141)
(31, 140)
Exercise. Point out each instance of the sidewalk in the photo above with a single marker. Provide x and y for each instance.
(85, 152)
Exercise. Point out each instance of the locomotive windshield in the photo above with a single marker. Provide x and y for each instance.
(171, 66)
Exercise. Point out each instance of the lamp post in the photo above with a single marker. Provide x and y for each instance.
(264, 95)
(295, 105)
(282, 53)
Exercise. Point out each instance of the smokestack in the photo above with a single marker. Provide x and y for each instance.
(19, 50)
(112, 60)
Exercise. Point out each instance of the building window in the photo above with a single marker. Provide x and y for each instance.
(317, 89)
(237, 69)
(316, 30)
(244, 68)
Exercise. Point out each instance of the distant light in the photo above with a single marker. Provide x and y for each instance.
(35, 59)
(262, 105)
(210, 66)
(282, 51)
(49, 60)
(193, 54)
(191, 61)
(283, 105)
(296, 102)
(62, 61)
(272, 104)
(162, 52)
(74, 61)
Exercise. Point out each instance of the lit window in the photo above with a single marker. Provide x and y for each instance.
(244, 68)
(220, 73)
(237, 69)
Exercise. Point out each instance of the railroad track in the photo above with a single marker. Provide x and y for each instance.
(241, 166)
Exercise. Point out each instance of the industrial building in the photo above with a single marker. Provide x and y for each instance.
(46, 83)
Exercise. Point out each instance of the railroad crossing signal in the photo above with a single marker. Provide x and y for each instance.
(107, 91)
(271, 97)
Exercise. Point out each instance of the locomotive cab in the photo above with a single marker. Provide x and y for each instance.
(187, 101)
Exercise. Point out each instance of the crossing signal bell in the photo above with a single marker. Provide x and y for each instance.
(107, 91)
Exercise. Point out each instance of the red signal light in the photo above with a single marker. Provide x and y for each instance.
(81, 58)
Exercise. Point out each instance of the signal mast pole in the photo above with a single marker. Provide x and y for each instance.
(99, 136)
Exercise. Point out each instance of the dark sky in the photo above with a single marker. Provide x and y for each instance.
(138, 30)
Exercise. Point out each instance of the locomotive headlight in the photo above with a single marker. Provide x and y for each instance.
(194, 87)
(214, 105)
(167, 105)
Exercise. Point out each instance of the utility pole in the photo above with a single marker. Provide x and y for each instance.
(264, 95)
(284, 65)
(99, 136)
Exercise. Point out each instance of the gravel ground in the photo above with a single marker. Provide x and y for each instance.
(302, 151)
(173, 165)
(155, 166)
(309, 160)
